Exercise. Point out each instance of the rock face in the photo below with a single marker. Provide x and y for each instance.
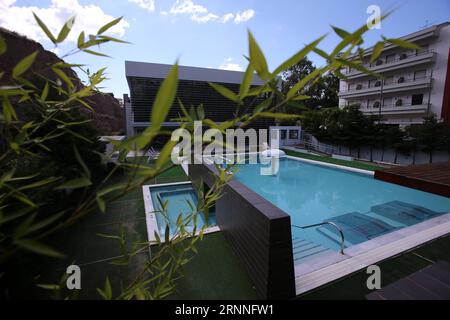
(109, 116)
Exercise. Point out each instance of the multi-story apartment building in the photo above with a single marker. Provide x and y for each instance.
(415, 82)
(144, 80)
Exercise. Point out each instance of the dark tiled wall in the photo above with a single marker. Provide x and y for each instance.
(143, 92)
(258, 232)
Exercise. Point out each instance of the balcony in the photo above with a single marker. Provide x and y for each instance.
(392, 87)
(399, 63)
(402, 110)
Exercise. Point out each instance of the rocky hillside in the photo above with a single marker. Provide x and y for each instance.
(108, 117)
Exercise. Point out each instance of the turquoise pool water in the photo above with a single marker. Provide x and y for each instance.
(363, 207)
(178, 198)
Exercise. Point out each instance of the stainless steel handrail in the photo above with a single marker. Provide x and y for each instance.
(324, 223)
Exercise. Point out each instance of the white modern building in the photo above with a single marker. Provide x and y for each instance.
(416, 82)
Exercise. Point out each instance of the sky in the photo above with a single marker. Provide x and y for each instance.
(210, 33)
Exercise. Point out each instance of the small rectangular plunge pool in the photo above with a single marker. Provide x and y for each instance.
(179, 199)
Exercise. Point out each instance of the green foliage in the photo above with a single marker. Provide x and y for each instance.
(323, 92)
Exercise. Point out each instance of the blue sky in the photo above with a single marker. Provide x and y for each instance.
(212, 33)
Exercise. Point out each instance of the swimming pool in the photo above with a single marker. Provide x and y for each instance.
(179, 198)
(364, 208)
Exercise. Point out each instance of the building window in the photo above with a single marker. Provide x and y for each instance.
(390, 58)
(378, 84)
(283, 134)
(401, 80)
(379, 62)
(399, 103)
(389, 80)
(423, 49)
(376, 104)
(293, 134)
(417, 99)
(359, 87)
(387, 102)
(420, 74)
(403, 56)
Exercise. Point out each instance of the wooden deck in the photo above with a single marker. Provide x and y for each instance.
(430, 283)
(433, 178)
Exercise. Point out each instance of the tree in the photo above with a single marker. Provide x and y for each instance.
(429, 135)
(323, 92)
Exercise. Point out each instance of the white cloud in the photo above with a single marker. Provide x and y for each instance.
(229, 65)
(205, 18)
(227, 17)
(89, 18)
(145, 4)
(201, 14)
(244, 16)
(187, 7)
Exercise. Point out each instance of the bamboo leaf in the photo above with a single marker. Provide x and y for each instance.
(80, 40)
(281, 116)
(377, 51)
(95, 53)
(65, 30)
(24, 65)
(257, 58)
(51, 287)
(303, 82)
(9, 113)
(246, 81)
(263, 105)
(81, 162)
(341, 32)
(403, 43)
(3, 46)
(109, 25)
(38, 248)
(44, 28)
(75, 184)
(101, 204)
(44, 223)
(224, 91)
(164, 98)
(44, 93)
(298, 56)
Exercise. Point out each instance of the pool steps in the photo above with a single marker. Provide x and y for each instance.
(304, 250)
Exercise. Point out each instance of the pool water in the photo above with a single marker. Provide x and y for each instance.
(363, 207)
(178, 198)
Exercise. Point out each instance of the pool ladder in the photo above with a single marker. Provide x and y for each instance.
(322, 224)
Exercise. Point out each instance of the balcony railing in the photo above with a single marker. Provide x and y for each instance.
(393, 109)
(374, 64)
(387, 85)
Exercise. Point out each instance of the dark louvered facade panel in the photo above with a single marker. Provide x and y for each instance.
(192, 93)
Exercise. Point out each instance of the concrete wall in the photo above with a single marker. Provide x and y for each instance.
(258, 232)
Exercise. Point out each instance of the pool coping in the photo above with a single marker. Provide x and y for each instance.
(334, 166)
(150, 215)
(325, 269)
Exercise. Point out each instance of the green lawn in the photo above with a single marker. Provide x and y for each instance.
(351, 164)
(215, 273)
